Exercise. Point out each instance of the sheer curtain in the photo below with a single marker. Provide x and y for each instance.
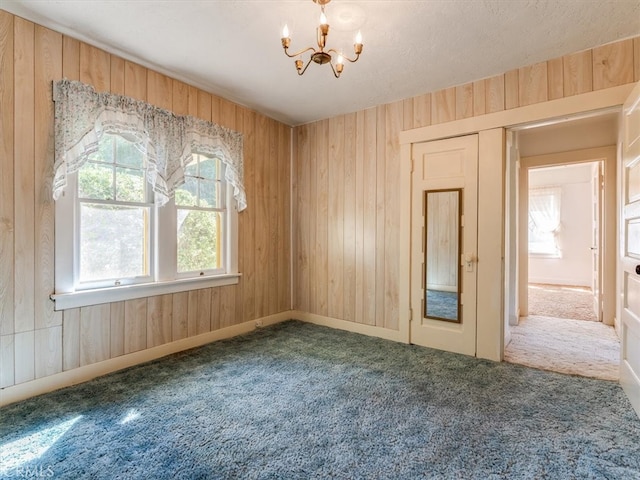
(168, 141)
(544, 219)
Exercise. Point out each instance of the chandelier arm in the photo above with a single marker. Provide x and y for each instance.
(298, 53)
(301, 72)
(333, 50)
(335, 74)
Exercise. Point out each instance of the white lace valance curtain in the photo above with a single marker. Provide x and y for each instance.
(168, 141)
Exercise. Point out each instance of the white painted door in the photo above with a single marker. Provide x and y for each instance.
(444, 238)
(630, 250)
(596, 206)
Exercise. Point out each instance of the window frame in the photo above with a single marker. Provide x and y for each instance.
(163, 262)
(555, 193)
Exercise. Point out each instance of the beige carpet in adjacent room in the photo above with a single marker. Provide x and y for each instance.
(561, 301)
(589, 349)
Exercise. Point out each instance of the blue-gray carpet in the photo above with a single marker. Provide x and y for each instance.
(298, 401)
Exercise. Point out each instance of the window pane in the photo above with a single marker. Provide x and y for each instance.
(95, 180)
(127, 154)
(209, 168)
(191, 170)
(130, 185)
(199, 240)
(105, 149)
(187, 193)
(209, 194)
(113, 242)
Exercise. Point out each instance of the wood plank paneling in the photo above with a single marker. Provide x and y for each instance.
(393, 126)
(248, 250)
(71, 339)
(48, 67)
(24, 172)
(407, 111)
(159, 90)
(335, 246)
(381, 187)
(494, 94)
(179, 316)
(321, 252)
(204, 105)
(180, 98)
(135, 81)
(443, 106)
(70, 58)
(479, 98)
(422, 110)
(239, 314)
(24, 359)
(262, 217)
(360, 214)
(613, 64)
(511, 95)
(216, 308)
(203, 319)
(555, 78)
(117, 75)
(48, 351)
(311, 167)
(135, 325)
(225, 315)
(117, 329)
(95, 327)
(192, 314)
(95, 67)
(464, 101)
(532, 84)
(7, 356)
(577, 73)
(349, 242)
(283, 209)
(6, 183)
(227, 114)
(159, 313)
(215, 109)
(369, 225)
(272, 226)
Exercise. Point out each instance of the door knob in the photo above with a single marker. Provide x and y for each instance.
(638, 269)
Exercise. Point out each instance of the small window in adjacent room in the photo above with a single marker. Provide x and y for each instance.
(544, 221)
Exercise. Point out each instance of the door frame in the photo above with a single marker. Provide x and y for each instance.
(608, 156)
(491, 205)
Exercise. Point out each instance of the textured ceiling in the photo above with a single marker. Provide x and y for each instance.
(232, 48)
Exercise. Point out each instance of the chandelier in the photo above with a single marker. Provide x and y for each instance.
(320, 56)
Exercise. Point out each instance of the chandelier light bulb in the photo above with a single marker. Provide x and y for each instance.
(359, 37)
(340, 59)
(323, 19)
(285, 31)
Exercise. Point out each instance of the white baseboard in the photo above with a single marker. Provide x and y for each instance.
(354, 327)
(39, 386)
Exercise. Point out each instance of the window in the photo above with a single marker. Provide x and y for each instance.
(133, 223)
(544, 221)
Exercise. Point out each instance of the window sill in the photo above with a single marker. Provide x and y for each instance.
(556, 256)
(84, 298)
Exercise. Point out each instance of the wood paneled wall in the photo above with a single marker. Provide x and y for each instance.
(346, 182)
(35, 341)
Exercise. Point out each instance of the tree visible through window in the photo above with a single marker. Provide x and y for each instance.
(200, 216)
(114, 213)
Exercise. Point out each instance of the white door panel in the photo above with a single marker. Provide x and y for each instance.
(630, 250)
(444, 234)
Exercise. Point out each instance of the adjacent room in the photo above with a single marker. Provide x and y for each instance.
(306, 239)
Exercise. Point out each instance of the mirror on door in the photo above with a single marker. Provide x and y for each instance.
(442, 255)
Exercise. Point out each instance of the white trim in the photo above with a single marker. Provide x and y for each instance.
(83, 298)
(361, 328)
(553, 109)
(78, 375)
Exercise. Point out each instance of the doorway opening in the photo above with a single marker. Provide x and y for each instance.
(562, 311)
